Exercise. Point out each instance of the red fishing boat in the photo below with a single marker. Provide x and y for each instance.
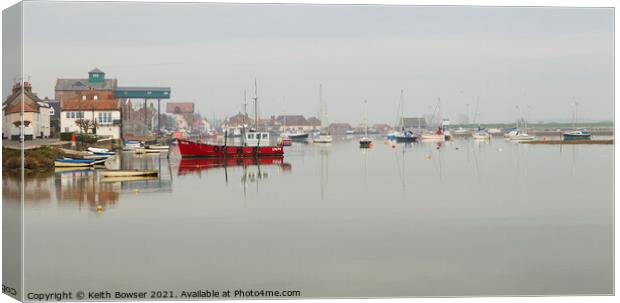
(256, 145)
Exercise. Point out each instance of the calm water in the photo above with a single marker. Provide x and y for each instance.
(467, 218)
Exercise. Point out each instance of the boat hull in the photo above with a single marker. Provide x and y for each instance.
(577, 137)
(365, 143)
(73, 163)
(129, 173)
(433, 137)
(192, 149)
(323, 139)
(298, 137)
(406, 139)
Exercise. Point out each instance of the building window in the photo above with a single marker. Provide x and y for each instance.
(104, 117)
(80, 115)
(95, 97)
(83, 98)
(68, 115)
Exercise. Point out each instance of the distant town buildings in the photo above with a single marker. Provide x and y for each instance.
(36, 114)
(184, 115)
(339, 128)
(296, 123)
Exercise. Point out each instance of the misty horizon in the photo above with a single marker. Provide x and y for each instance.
(493, 59)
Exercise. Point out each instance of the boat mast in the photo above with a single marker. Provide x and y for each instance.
(321, 109)
(255, 105)
(439, 113)
(402, 110)
(245, 113)
(575, 116)
(365, 119)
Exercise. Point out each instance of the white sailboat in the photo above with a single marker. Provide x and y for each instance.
(324, 136)
(521, 134)
(481, 134)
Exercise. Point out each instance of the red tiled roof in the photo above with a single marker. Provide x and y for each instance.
(104, 104)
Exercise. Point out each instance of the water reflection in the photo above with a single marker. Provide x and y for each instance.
(84, 188)
(36, 186)
(197, 166)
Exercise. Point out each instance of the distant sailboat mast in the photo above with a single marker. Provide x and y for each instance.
(402, 110)
(365, 119)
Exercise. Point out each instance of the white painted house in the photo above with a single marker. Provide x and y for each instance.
(36, 114)
(92, 106)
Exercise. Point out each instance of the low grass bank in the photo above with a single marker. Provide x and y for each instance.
(37, 159)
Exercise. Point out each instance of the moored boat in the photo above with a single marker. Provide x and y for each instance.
(436, 136)
(68, 162)
(577, 135)
(365, 142)
(297, 136)
(285, 141)
(128, 179)
(254, 148)
(323, 139)
(158, 147)
(100, 151)
(147, 151)
(481, 135)
(131, 145)
(129, 173)
(405, 137)
(522, 136)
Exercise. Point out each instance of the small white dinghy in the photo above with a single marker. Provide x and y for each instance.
(158, 147)
(100, 151)
(129, 173)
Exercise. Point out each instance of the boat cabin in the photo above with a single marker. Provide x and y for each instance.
(257, 139)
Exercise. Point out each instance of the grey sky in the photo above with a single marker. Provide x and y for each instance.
(209, 53)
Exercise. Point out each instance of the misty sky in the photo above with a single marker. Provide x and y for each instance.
(210, 53)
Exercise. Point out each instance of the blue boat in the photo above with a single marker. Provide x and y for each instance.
(406, 137)
(68, 162)
(577, 135)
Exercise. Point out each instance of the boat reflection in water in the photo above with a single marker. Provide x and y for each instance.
(197, 165)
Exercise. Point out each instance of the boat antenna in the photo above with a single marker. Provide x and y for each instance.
(255, 105)
(245, 113)
(365, 119)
